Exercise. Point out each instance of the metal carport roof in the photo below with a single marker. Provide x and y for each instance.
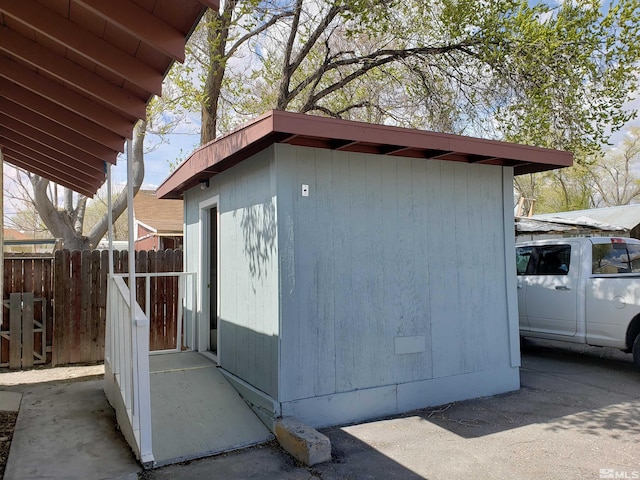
(76, 75)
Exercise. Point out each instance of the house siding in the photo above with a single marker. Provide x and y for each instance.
(392, 273)
(248, 268)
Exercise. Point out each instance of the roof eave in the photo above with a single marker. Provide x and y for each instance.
(322, 132)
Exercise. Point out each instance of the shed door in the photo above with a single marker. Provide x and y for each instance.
(213, 280)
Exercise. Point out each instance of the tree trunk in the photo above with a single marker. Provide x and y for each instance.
(99, 230)
(218, 25)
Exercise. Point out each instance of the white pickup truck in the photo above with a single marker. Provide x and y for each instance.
(581, 290)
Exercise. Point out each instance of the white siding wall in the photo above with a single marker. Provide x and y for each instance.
(392, 271)
(249, 317)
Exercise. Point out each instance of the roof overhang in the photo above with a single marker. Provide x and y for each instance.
(334, 134)
(76, 75)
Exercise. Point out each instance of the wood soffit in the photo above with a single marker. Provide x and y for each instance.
(76, 75)
(347, 136)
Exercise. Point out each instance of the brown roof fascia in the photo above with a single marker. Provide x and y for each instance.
(323, 132)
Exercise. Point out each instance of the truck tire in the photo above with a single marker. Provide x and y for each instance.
(636, 351)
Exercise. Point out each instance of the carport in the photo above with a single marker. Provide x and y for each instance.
(75, 77)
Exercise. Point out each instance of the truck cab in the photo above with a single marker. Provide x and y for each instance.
(581, 290)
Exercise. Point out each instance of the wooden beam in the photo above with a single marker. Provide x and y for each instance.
(57, 131)
(56, 113)
(66, 169)
(72, 73)
(65, 97)
(40, 165)
(213, 4)
(57, 28)
(140, 24)
(51, 147)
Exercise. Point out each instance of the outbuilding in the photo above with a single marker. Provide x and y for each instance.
(349, 271)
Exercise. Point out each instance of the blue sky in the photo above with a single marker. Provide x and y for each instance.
(156, 162)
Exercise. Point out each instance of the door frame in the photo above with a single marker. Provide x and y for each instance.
(203, 330)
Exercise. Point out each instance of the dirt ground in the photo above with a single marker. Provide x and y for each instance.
(7, 426)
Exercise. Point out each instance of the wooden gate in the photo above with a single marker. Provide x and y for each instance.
(23, 336)
(68, 296)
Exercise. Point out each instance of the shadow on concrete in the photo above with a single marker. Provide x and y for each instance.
(351, 459)
(585, 389)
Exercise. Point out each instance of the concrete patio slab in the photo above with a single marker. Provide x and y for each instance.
(10, 401)
(67, 430)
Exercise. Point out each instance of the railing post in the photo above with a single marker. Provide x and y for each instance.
(144, 390)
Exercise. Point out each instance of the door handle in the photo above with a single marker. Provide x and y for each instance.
(519, 287)
(562, 287)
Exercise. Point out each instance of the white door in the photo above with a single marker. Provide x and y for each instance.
(208, 332)
(551, 292)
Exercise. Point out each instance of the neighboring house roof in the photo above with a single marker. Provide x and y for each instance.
(335, 134)
(625, 216)
(581, 225)
(164, 216)
(75, 77)
(13, 234)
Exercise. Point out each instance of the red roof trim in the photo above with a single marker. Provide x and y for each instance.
(330, 133)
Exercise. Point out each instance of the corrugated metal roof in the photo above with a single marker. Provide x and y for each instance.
(625, 216)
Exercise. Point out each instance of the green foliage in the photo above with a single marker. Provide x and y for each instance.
(553, 74)
(602, 180)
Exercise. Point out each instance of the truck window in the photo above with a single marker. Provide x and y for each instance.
(523, 257)
(553, 260)
(615, 258)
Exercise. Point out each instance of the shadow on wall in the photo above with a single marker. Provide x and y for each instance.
(259, 229)
(250, 355)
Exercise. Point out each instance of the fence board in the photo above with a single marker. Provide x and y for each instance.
(102, 299)
(27, 329)
(72, 289)
(60, 353)
(15, 346)
(74, 320)
(172, 301)
(38, 313)
(85, 288)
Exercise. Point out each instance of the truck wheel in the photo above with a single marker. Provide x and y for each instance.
(636, 351)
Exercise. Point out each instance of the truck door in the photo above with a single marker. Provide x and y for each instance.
(551, 291)
(524, 262)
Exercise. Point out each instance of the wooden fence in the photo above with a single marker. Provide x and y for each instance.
(70, 299)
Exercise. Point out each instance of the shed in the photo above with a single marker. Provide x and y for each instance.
(350, 271)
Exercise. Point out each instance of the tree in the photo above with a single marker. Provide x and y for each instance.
(605, 180)
(558, 190)
(615, 177)
(223, 35)
(66, 221)
(555, 75)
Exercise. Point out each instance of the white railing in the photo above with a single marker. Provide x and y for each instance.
(127, 354)
(127, 360)
(184, 315)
